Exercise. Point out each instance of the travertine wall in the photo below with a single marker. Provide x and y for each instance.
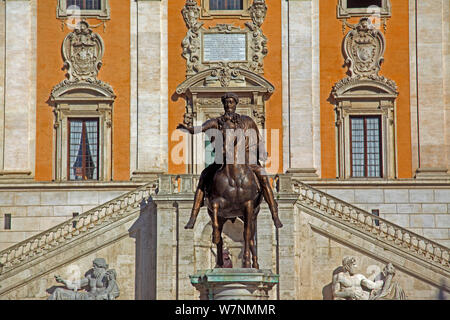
(429, 24)
(424, 210)
(36, 207)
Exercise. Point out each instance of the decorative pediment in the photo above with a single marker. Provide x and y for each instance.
(225, 79)
(357, 87)
(80, 90)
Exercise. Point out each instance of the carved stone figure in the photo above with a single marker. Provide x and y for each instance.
(349, 285)
(391, 289)
(258, 11)
(232, 187)
(227, 263)
(99, 283)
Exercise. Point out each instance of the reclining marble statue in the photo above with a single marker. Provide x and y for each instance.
(234, 184)
(349, 285)
(100, 284)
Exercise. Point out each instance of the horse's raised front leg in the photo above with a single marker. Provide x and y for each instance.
(246, 263)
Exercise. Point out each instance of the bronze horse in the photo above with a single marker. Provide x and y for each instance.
(235, 192)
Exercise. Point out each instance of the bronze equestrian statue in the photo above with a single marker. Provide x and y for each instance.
(232, 187)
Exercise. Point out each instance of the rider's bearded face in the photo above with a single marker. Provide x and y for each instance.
(229, 105)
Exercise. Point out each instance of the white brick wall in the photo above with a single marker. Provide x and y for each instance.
(425, 211)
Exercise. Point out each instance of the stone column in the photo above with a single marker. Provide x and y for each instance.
(301, 111)
(433, 122)
(18, 88)
(149, 102)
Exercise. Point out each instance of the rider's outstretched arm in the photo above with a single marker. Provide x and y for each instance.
(208, 124)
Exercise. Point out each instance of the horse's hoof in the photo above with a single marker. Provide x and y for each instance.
(189, 225)
(277, 223)
(255, 266)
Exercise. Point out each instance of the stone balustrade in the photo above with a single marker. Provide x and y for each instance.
(378, 227)
(44, 242)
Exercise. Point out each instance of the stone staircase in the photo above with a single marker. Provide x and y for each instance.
(64, 238)
(30, 259)
(377, 237)
(381, 229)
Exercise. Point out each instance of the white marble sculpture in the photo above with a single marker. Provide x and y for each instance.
(99, 282)
(349, 285)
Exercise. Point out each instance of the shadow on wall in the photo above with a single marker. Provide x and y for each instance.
(144, 232)
(327, 291)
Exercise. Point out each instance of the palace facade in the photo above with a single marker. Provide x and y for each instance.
(351, 96)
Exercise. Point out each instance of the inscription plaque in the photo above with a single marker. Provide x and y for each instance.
(224, 47)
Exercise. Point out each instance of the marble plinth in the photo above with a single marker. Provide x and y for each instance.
(234, 284)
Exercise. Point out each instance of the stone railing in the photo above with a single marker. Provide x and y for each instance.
(53, 238)
(378, 227)
(187, 183)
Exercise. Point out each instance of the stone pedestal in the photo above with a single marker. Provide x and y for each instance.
(234, 284)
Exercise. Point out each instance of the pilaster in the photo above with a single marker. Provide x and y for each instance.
(18, 105)
(149, 117)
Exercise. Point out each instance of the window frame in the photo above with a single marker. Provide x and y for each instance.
(206, 13)
(102, 14)
(69, 168)
(343, 12)
(380, 148)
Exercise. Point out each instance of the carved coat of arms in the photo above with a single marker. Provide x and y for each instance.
(82, 52)
(364, 49)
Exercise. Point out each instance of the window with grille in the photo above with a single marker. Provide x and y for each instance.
(226, 4)
(83, 149)
(363, 8)
(363, 3)
(98, 9)
(366, 146)
(84, 4)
